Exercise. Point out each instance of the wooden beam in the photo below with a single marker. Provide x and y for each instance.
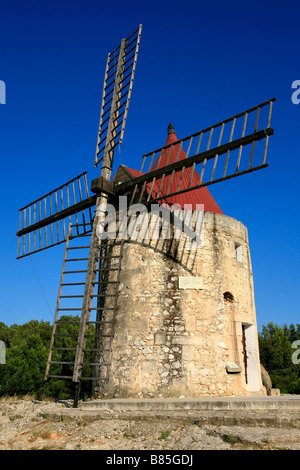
(80, 206)
(218, 180)
(103, 185)
(198, 158)
(269, 102)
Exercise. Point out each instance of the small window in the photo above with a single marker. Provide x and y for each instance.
(228, 296)
(238, 252)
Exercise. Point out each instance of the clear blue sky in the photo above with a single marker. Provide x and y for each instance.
(199, 62)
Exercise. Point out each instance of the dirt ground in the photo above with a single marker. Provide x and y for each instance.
(42, 425)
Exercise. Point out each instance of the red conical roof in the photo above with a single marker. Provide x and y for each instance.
(196, 196)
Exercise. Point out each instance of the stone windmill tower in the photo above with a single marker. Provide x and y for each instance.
(186, 321)
(158, 278)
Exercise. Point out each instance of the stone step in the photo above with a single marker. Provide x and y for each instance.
(267, 420)
(287, 402)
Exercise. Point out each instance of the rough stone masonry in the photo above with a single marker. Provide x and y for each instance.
(186, 321)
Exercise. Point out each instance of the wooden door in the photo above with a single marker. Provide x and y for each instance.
(244, 352)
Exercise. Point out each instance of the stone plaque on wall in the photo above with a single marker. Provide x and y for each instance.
(190, 282)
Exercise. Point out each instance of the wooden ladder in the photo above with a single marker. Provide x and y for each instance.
(108, 282)
(94, 330)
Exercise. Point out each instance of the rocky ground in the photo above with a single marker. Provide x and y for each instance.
(41, 425)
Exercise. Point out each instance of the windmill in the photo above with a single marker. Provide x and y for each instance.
(166, 172)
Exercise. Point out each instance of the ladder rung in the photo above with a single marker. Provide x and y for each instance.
(108, 269)
(57, 362)
(105, 282)
(102, 295)
(92, 378)
(97, 336)
(77, 247)
(96, 349)
(100, 308)
(67, 322)
(65, 336)
(64, 349)
(95, 364)
(77, 259)
(59, 322)
(73, 284)
(71, 272)
(71, 296)
(69, 309)
(60, 376)
(100, 322)
(109, 257)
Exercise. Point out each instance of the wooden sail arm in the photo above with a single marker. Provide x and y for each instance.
(195, 159)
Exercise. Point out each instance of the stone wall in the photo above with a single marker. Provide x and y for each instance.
(173, 340)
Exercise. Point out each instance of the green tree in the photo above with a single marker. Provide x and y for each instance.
(275, 344)
(27, 348)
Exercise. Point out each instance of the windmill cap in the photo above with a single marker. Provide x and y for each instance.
(171, 129)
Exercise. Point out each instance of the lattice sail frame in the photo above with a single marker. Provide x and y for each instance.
(149, 184)
(71, 201)
(54, 211)
(117, 87)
